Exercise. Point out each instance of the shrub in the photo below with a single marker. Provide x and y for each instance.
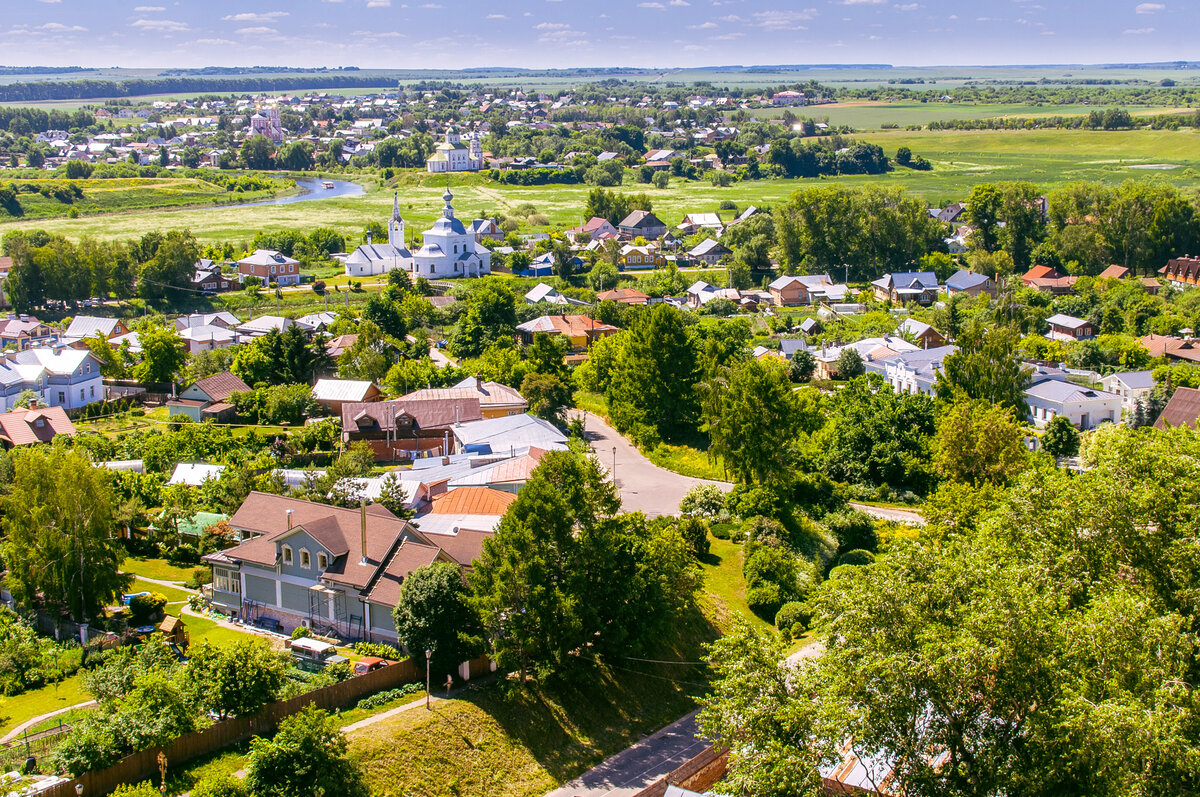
(379, 649)
(299, 632)
(791, 614)
(722, 531)
(383, 698)
(146, 608)
(695, 531)
(220, 786)
(143, 789)
(703, 500)
(858, 556)
(318, 287)
(764, 600)
(853, 529)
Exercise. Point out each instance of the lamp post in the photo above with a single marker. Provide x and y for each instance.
(614, 468)
(428, 656)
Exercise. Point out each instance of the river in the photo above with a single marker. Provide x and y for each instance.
(311, 189)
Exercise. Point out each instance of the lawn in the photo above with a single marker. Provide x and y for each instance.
(102, 196)
(159, 569)
(352, 715)
(723, 579)
(173, 595)
(19, 708)
(225, 762)
(961, 159)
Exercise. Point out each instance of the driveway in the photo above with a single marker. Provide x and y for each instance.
(635, 768)
(644, 486)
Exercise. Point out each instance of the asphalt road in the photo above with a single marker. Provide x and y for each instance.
(644, 486)
(635, 768)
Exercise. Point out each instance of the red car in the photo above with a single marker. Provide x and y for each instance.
(366, 665)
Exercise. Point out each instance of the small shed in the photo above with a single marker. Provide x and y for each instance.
(174, 630)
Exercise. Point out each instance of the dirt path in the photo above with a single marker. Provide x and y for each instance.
(17, 731)
(910, 516)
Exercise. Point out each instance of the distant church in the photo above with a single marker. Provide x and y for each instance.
(452, 155)
(449, 250)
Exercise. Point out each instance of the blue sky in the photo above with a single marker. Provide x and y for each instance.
(565, 33)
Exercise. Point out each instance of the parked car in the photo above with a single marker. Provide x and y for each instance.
(370, 664)
(314, 655)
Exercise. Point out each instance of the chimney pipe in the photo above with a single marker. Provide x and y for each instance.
(363, 531)
(289, 519)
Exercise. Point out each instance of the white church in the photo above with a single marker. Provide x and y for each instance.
(372, 259)
(449, 250)
(452, 155)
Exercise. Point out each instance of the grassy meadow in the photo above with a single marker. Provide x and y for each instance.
(961, 159)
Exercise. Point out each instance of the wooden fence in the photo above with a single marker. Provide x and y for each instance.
(143, 765)
(698, 774)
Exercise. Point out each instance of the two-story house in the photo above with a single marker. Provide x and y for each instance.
(337, 571)
(269, 266)
(67, 378)
(910, 286)
(1068, 328)
(641, 223)
(23, 332)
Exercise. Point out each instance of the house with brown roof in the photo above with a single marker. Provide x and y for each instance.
(1048, 280)
(641, 223)
(408, 428)
(336, 347)
(1183, 409)
(580, 330)
(1182, 272)
(623, 296)
(26, 426)
(495, 400)
(208, 398)
(337, 571)
(24, 331)
(1172, 348)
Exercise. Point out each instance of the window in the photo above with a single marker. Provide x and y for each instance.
(62, 397)
(81, 394)
(305, 559)
(322, 562)
(287, 555)
(87, 369)
(226, 581)
(272, 269)
(92, 389)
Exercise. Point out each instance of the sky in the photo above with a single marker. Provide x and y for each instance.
(579, 33)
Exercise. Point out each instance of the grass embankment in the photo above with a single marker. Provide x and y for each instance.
(130, 194)
(688, 461)
(160, 569)
(499, 741)
(20, 708)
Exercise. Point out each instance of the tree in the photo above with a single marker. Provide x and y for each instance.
(235, 679)
(980, 443)
(604, 276)
(752, 422)
(112, 364)
(434, 613)
(652, 388)
(385, 315)
(548, 396)
(58, 543)
(257, 152)
(167, 271)
(296, 156)
(803, 366)
(850, 364)
(491, 314)
(164, 355)
(1061, 438)
(369, 357)
(547, 354)
(306, 758)
(564, 260)
(984, 212)
(985, 368)
(1010, 658)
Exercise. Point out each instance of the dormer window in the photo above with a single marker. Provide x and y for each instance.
(322, 561)
(287, 554)
(305, 559)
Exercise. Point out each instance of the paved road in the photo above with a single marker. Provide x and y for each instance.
(635, 768)
(644, 486)
(910, 516)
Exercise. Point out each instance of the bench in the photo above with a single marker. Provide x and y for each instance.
(269, 623)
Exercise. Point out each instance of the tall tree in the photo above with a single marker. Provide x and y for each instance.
(979, 443)
(164, 355)
(434, 614)
(985, 367)
(984, 212)
(236, 678)
(653, 387)
(306, 758)
(58, 542)
(752, 422)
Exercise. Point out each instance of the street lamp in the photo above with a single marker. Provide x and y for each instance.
(428, 656)
(614, 468)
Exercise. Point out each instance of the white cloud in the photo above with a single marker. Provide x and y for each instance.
(50, 1)
(705, 26)
(679, 3)
(863, 2)
(270, 16)
(430, 5)
(907, 7)
(551, 26)
(1137, 31)
(379, 3)
(783, 20)
(495, 16)
(727, 37)
(55, 27)
(215, 42)
(148, 9)
(1149, 8)
(258, 30)
(160, 25)
(731, 18)
(658, 6)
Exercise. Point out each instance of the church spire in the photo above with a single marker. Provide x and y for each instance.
(396, 206)
(448, 211)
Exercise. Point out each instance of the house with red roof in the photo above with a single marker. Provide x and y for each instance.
(26, 426)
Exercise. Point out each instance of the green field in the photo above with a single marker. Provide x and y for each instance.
(961, 159)
(125, 194)
(872, 115)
